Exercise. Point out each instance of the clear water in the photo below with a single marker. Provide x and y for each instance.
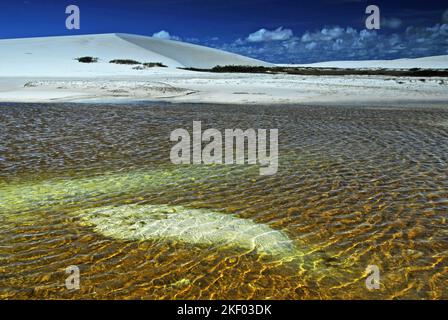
(355, 187)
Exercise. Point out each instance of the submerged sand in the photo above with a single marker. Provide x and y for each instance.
(192, 226)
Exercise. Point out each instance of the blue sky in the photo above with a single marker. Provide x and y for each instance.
(282, 31)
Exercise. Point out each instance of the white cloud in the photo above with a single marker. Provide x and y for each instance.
(326, 34)
(367, 35)
(165, 35)
(338, 43)
(311, 45)
(191, 40)
(332, 33)
(391, 23)
(264, 35)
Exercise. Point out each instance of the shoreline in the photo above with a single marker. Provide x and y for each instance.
(385, 105)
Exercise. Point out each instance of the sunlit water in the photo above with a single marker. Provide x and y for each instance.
(355, 187)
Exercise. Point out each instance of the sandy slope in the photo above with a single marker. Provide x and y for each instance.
(44, 70)
(54, 56)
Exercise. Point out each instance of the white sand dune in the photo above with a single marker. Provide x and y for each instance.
(55, 56)
(45, 70)
(435, 62)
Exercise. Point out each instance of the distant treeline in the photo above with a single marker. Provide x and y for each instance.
(309, 71)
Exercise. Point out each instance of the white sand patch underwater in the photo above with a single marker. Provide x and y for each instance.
(192, 226)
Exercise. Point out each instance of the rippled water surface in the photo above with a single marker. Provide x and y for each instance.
(356, 187)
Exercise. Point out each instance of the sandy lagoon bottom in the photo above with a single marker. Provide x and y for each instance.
(92, 186)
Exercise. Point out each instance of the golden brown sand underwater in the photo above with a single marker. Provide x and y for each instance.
(356, 186)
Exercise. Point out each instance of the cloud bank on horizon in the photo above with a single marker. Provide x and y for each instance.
(282, 45)
(339, 43)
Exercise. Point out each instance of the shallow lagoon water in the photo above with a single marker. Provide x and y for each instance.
(355, 187)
